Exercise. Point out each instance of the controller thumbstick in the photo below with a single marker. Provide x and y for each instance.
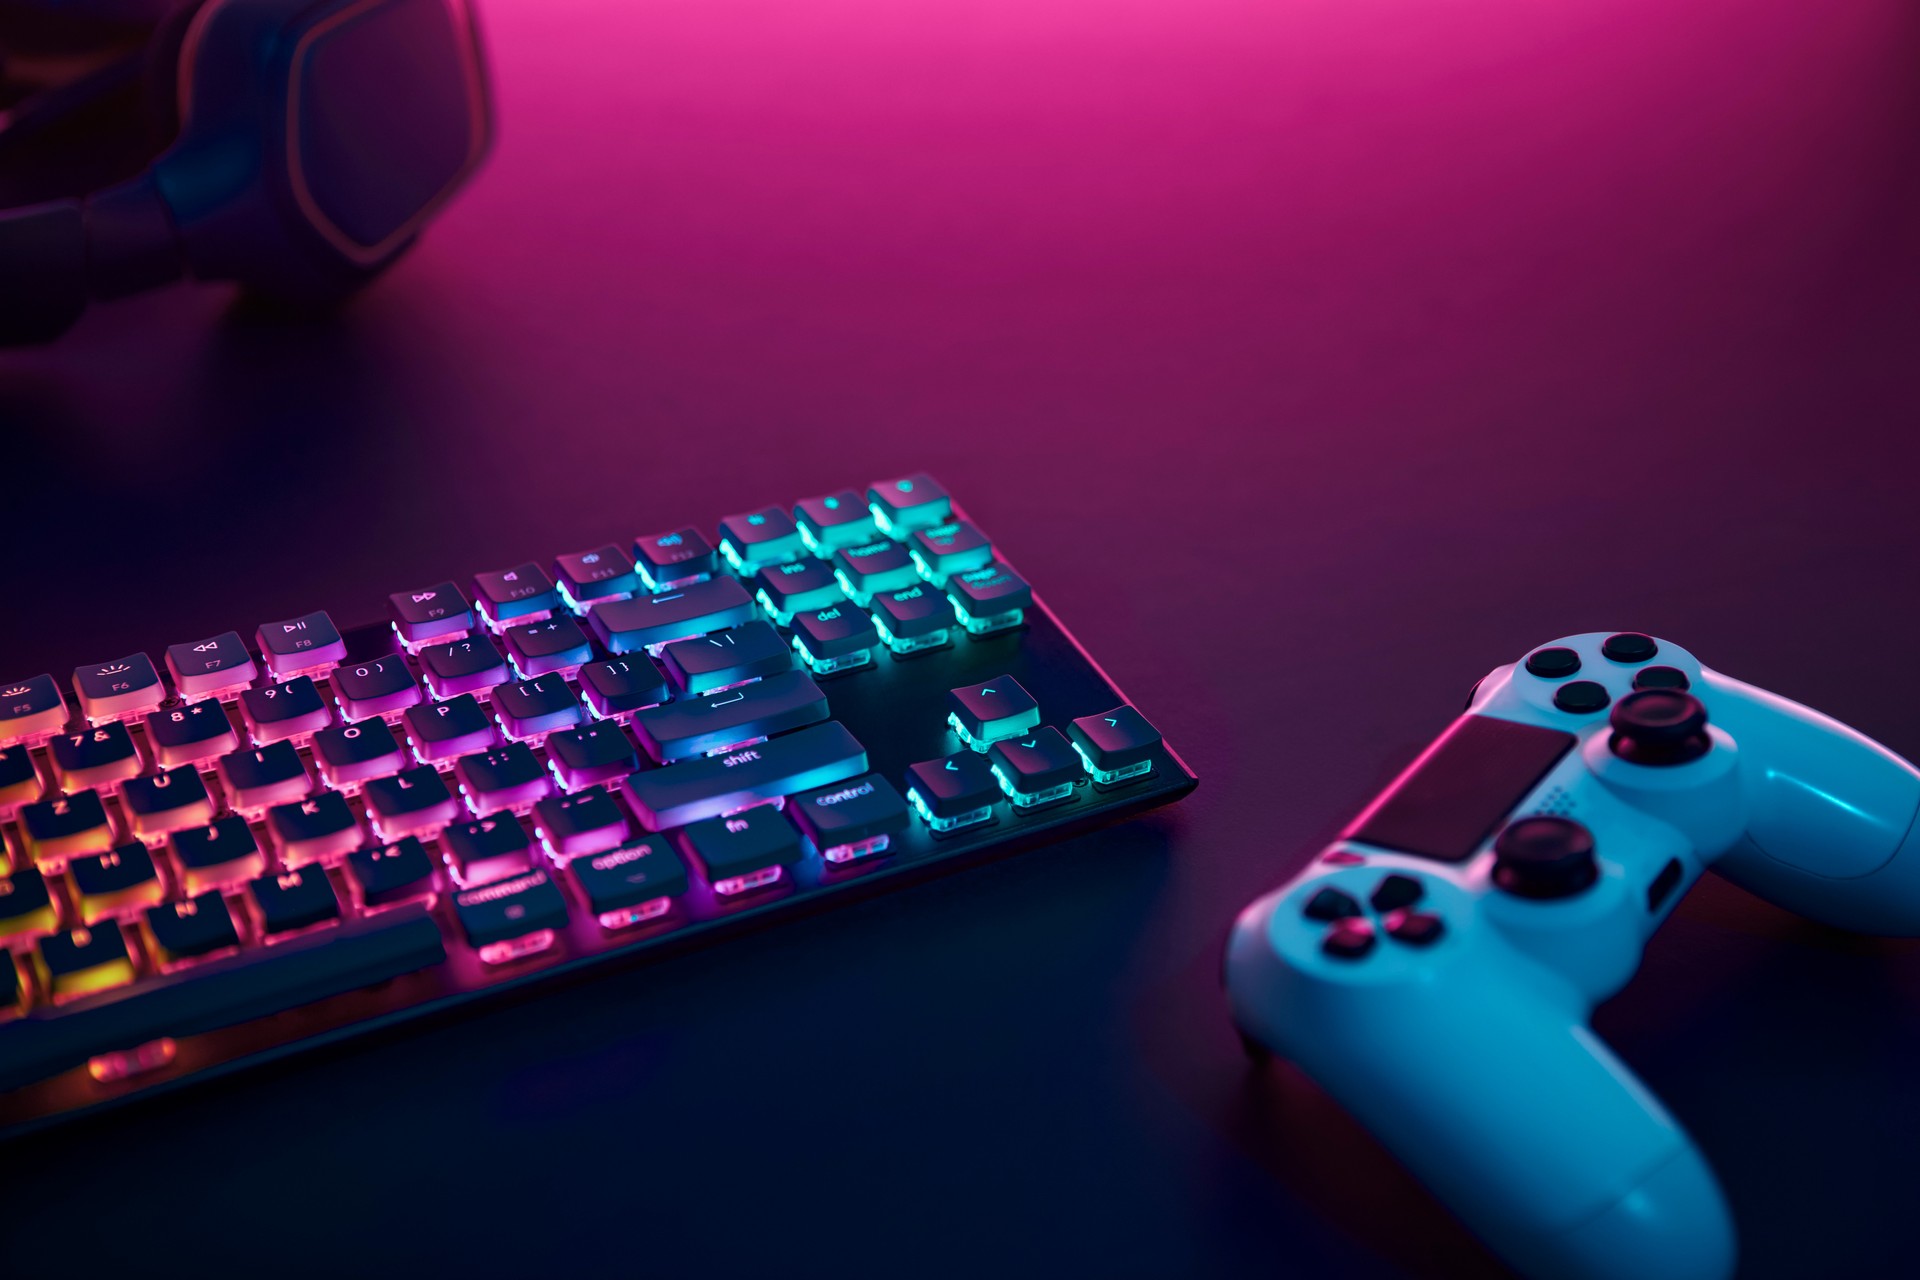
(1544, 858)
(1659, 727)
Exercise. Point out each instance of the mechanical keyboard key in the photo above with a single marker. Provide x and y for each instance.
(391, 874)
(591, 755)
(874, 567)
(94, 757)
(27, 908)
(837, 638)
(349, 754)
(913, 620)
(282, 712)
(534, 708)
(632, 884)
(379, 687)
(745, 850)
(1037, 769)
(19, 779)
(666, 561)
(59, 828)
(726, 658)
(991, 599)
(218, 666)
(508, 777)
(486, 849)
(264, 776)
(286, 901)
(984, 713)
(947, 549)
(736, 718)
(587, 821)
(472, 665)
(1117, 746)
(189, 734)
(911, 502)
(30, 710)
(219, 854)
(650, 622)
(953, 792)
(120, 882)
(223, 992)
(439, 612)
(412, 802)
(543, 648)
(694, 789)
(294, 646)
(189, 930)
(784, 589)
(605, 573)
(521, 594)
(169, 801)
(320, 828)
(443, 730)
(837, 520)
(856, 819)
(511, 918)
(752, 541)
(618, 687)
(118, 689)
(82, 961)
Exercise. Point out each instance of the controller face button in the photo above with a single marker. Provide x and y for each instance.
(1582, 697)
(1552, 664)
(1544, 857)
(1629, 646)
(1396, 892)
(1659, 727)
(1348, 939)
(1331, 904)
(1661, 678)
(1415, 928)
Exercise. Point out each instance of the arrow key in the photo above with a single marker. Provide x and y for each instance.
(953, 792)
(1037, 769)
(1117, 745)
(998, 708)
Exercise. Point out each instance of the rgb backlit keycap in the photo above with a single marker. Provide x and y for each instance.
(298, 898)
(621, 686)
(121, 881)
(947, 549)
(30, 709)
(1117, 746)
(837, 638)
(511, 918)
(590, 755)
(1035, 769)
(742, 851)
(292, 709)
(751, 541)
(468, 665)
(186, 735)
(696, 726)
(118, 688)
(674, 559)
(26, 906)
(390, 874)
(541, 648)
(380, 687)
(604, 573)
(191, 929)
(58, 828)
(219, 666)
(439, 612)
(726, 658)
(534, 708)
(522, 593)
(263, 776)
(836, 520)
(873, 567)
(19, 779)
(784, 589)
(320, 828)
(489, 848)
(508, 777)
(443, 730)
(96, 757)
(984, 713)
(911, 621)
(309, 642)
(850, 820)
(632, 884)
(624, 626)
(349, 754)
(910, 502)
(221, 853)
(412, 802)
(586, 821)
(991, 599)
(954, 791)
(702, 788)
(82, 961)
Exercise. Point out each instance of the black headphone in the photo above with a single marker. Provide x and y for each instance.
(307, 142)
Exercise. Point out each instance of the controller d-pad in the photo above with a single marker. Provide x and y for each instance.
(1553, 664)
(1331, 904)
(1661, 678)
(1629, 646)
(1396, 892)
(1415, 928)
(1349, 939)
(1582, 697)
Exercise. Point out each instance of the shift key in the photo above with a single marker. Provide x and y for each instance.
(706, 788)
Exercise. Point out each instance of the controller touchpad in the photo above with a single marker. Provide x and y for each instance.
(1466, 783)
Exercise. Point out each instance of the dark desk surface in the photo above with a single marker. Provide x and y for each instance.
(1313, 358)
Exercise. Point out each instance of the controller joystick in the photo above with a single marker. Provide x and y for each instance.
(1507, 882)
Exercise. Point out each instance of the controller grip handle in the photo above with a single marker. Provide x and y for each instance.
(1831, 814)
(1489, 1087)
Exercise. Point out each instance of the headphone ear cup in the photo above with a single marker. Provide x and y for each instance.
(160, 88)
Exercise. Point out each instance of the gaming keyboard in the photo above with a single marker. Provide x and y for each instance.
(262, 842)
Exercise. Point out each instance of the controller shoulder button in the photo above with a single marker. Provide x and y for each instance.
(1395, 892)
(1331, 904)
(1349, 939)
(1553, 664)
(1629, 647)
(1582, 697)
(1415, 928)
(1661, 678)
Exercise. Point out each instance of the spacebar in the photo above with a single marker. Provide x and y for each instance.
(220, 993)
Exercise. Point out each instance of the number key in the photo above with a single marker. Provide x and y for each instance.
(382, 687)
(94, 757)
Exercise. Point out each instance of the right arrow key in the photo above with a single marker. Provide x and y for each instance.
(1117, 745)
